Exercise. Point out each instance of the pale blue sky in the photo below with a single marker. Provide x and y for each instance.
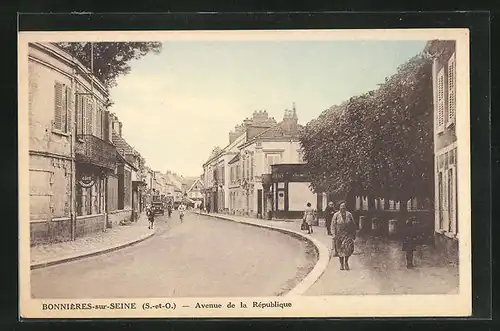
(176, 106)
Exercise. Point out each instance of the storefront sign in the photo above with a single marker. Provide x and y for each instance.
(290, 177)
(86, 181)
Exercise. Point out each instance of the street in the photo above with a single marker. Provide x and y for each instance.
(201, 257)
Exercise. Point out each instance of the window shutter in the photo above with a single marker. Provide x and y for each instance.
(451, 90)
(89, 118)
(58, 107)
(99, 122)
(78, 114)
(105, 126)
(441, 102)
(69, 109)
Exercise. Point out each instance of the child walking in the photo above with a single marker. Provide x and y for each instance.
(411, 238)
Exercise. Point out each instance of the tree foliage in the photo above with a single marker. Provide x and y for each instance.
(378, 143)
(111, 59)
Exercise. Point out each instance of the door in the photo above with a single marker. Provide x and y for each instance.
(259, 202)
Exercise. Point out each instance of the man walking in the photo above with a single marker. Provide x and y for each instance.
(329, 212)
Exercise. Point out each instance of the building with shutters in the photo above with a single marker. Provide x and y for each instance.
(70, 148)
(445, 140)
(216, 173)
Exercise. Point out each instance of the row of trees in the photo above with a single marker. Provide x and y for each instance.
(377, 144)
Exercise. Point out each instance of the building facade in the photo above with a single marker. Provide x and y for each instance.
(277, 144)
(71, 152)
(445, 140)
(216, 171)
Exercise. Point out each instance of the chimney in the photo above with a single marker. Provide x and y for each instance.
(290, 120)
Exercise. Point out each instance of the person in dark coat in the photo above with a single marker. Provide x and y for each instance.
(411, 239)
(329, 211)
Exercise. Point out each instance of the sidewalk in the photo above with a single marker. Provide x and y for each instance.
(377, 267)
(115, 238)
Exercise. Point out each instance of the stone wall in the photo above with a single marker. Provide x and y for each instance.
(116, 216)
(57, 230)
(90, 224)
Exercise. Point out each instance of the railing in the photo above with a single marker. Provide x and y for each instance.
(93, 150)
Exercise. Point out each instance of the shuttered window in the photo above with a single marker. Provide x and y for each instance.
(80, 114)
(440, 101)
(105, 124)
(60, 114)
(451, 90)
(99, 123)
(69, 109)
(89, 118)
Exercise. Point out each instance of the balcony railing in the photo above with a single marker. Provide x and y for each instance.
(93, 150)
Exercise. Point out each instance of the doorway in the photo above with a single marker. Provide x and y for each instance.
(259, 203)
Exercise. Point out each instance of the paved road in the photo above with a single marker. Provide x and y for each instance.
(201, 257)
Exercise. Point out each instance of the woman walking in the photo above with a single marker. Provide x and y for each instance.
(308, 218)
(344, 233)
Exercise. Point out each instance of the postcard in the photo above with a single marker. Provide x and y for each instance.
(236, 174)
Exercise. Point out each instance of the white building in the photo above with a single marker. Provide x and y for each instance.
(216, 170)
(445, 141)
(278, 144)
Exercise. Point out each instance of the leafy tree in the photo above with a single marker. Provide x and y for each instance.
(111, 59)
(379, 143)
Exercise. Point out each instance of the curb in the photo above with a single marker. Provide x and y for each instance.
(44, 264)
(315, 273)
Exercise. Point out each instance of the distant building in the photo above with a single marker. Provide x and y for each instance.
(256, 157)
(195, 192)
(216, 169)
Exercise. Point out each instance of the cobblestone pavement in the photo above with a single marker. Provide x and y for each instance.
(378, 267)
(119, 234)
(202, 257)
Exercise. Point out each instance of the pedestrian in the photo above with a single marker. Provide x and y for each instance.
(201, 207)
(208, 208)
(308, 218)
(411, 239)
(329, 212)
(343, 231)
(151, 218)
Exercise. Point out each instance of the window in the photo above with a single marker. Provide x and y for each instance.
(440, 101)
(80, 114)
(60, 107)
(99, 131)
(440, 199)
(300, 154)
(252, 164)
(452, 104)
(89, 116)
(272, 159)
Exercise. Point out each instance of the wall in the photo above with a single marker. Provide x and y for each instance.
(86, 225)
(112, 193)
(117, 216)
(299, 194)
(50, 172)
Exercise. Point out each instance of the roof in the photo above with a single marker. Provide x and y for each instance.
(194, 183)
(234, 159)
(122, 146)
(276, 131)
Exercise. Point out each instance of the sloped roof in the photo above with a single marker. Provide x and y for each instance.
(235, 159)
(276, 131)
(194, 184)
(122, 146)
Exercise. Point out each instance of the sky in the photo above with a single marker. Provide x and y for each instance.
(178, 105)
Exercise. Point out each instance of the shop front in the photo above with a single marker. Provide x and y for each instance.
(290, 191)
